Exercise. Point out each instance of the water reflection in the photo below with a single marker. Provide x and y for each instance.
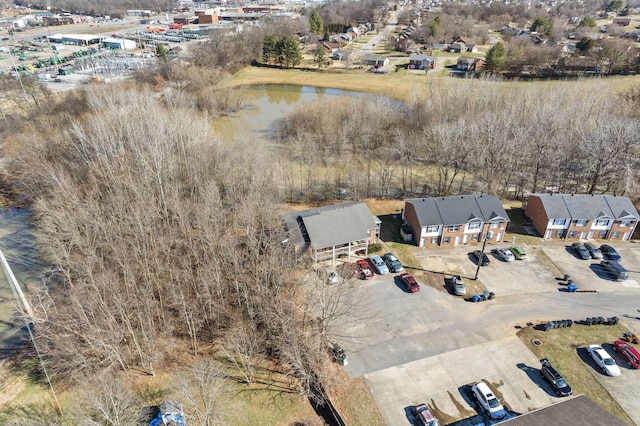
(265, 104)
(17, 243)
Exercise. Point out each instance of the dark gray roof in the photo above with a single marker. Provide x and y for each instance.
(573, 411)
(458, 210)
(330, 225)
(373, 57)
(588, 206)
(422, 58)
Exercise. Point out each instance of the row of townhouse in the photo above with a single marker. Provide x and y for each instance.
(582, 216)
(343, 229)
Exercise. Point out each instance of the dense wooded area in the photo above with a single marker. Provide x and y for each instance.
(464, 137)
(167, 246)
(166, 243)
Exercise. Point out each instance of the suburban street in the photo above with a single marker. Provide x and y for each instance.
(382, 33)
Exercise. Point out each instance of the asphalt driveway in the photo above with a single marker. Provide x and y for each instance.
(443, 382)
(588, 274)
(532, 275)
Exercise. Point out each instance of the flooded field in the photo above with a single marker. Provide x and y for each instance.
(267, 103)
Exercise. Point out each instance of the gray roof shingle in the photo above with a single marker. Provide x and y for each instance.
(458, 210)
(331, 225)
(573, 411)
(588, 206)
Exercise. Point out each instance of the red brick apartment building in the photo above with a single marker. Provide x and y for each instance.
(582, 216)
(451, 221)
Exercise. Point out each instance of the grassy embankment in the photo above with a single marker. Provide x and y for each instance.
(400, 86)
(564, 348)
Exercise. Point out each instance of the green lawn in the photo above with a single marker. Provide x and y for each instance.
(563, 347)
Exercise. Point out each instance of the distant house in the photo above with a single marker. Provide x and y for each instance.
(343, 55)
(375, 60)
(457, 48)
(582, 216)
(331, 46)
(451, 221)
(623, 22)
(331, 231)
(468, 63)
(422, 62)
(464, 44)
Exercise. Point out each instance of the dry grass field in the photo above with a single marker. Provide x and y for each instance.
(401, 86)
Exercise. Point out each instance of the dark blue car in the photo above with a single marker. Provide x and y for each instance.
(610, 253)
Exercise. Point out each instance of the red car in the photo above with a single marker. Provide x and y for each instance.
(410, 283)
(630, 353)
(364, 269)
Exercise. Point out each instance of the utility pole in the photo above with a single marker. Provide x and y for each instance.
(484, 245)
(24, 303)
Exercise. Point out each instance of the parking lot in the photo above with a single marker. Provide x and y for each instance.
(408, 344)
(531, 275)
(619, 387)
(443, 382)
(589, 275)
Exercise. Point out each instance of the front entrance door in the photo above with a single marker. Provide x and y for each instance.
(457, 240)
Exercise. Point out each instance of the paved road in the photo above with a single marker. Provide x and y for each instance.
(403, 327)
(382, 34)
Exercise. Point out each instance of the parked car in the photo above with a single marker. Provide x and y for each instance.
(580, 251)
(630, 353)
(610, 253)
(556, 380)
(518, 252)
(379, 265)
(364, 269)
(458, 286)
(332, 277)
(594, 251)
(488, 401)
(480, 257)
(615, 269)
(504, 254)
(425, 415)
(339, 354)
(409, 282)
(393, 263)
(603, 359)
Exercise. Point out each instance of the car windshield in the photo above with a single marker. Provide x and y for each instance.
(609, 361)
(493, 403)
(561, 383)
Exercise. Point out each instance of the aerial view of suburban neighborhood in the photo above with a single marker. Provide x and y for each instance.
(319, 212)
